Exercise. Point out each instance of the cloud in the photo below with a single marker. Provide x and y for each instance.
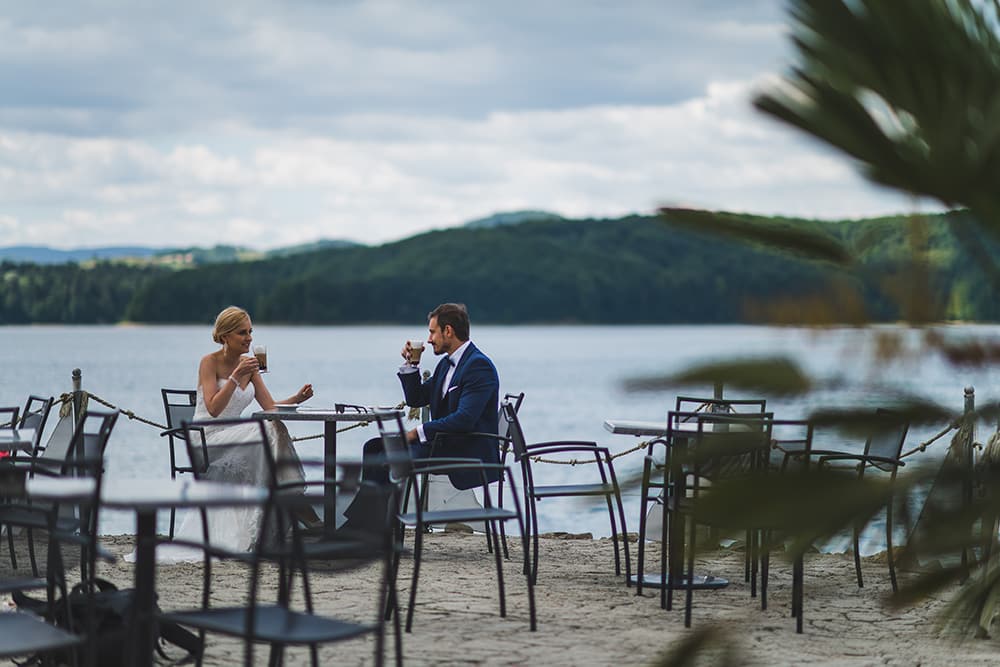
(265, 123)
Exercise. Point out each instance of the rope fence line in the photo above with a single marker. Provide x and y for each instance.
(65, 402)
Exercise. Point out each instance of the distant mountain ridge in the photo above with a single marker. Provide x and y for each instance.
(511, 218)
(192, 256)
(635, 269)
(196, 256)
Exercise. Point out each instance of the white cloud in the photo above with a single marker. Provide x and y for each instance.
(275, 123)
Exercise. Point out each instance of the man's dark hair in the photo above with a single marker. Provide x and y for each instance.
(454, 314)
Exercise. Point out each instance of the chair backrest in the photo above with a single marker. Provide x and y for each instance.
(728, 445)
(514, 431)
(699, 405)
(8, 417)
(887, 438)
(70, 445)
(178, 405)
(397, 452)
(218, 449)
(35, 415)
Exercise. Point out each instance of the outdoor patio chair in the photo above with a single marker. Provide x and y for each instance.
(283, 621)
(652, 490)
(34, 416)
(708, 457)
(23, 633)
(66, 524)
(883, 449)
(606, 486)
(178, 406)
(407, 473)
(62, 457)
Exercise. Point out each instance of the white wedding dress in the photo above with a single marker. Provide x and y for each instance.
(237, 528)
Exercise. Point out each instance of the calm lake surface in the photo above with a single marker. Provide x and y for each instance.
(573, 378)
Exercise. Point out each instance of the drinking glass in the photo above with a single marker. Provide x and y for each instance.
(260, 351)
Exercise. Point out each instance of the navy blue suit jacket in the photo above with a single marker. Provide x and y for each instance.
(469, 405)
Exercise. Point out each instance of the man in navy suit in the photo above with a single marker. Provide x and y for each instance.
(463, 395)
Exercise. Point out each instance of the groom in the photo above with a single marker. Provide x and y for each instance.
(463, 395)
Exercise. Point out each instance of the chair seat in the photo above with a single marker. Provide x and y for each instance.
(22, 633)
(271, 624)
(572, 490)
(460, 515)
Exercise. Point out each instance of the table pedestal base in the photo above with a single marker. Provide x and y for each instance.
(701, 582)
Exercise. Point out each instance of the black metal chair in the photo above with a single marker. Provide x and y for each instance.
(178, 406)
(34, 416)
(60, 458)
(653, 492)
(23, 633)
(408, 473)
(883, 449)
(723, 448)
(66, 524)
(606, 488)
(276, 623)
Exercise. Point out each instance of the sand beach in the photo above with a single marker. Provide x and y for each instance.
(586, 615)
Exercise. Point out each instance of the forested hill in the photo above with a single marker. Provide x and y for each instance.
(629, 270)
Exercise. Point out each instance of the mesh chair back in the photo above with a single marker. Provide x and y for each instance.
(57, 447)
(225, 458)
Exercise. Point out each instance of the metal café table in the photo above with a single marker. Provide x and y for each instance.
(659, 429)
(146, 497)
(330, 418)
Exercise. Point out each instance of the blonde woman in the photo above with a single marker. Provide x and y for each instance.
(228, 381)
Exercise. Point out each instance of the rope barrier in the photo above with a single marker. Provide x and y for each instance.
(65, 405)
(573, 462)
(66, 400)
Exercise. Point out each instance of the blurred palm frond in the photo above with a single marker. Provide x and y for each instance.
(774, 376)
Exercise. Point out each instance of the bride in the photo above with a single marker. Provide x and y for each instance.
(228, 381)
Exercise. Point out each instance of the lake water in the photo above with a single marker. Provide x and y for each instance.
(573, 378)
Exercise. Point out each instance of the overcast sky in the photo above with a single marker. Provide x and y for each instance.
(272, 123)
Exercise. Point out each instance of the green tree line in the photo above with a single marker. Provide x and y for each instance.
(634, 269)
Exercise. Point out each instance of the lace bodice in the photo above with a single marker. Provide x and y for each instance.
(241, 398)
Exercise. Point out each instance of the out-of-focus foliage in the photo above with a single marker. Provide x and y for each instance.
(910, 91)
(907, 89)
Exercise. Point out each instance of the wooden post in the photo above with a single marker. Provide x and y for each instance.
(77, 394)
(966, 454)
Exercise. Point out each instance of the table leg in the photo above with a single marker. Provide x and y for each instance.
(329, 472)
(145, 586)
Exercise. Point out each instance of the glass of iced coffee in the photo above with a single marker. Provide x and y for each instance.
(416, 349)
(260, 351)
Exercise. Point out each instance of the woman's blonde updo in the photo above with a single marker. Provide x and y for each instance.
(228, 321)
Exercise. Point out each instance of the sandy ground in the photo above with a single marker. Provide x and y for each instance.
(586, 615)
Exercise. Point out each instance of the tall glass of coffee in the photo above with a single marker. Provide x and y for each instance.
(416, 349)
(260, 351)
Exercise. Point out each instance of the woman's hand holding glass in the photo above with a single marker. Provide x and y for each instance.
(245, 368)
